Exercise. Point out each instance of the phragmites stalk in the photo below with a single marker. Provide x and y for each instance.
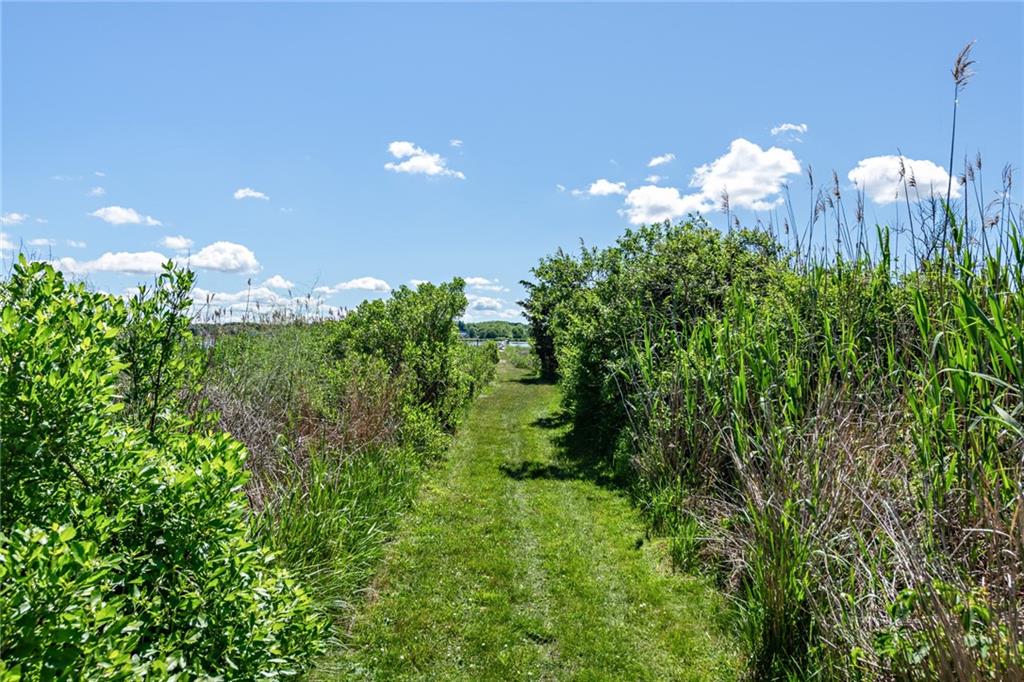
(962, 72)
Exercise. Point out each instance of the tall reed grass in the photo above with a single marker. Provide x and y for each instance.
(829, 422)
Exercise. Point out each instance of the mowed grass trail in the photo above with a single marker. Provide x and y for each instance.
(513, 566)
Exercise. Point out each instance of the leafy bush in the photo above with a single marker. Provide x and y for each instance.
(838, 443)
(124, 548)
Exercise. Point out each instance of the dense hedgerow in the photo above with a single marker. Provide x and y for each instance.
(838, 443)
(124, 543)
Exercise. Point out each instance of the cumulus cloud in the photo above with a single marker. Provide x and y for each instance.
(5, 242)
(661, 160)
(603, 188)
(250, 193)
(278, 282)
(560, 187)
(12, 218)
(455, 142)
(485, 303)
(490, 308)
(484, 284)
(753, 177)
(882, 180)
(96, 192)
(178, 243)
(99, 174)
(653, 204)
(131, 263)
(118, 215)
(225, 257)
(415, 160)
(42, 241)
(654, 179)
(358, 284)
(42, 221)
(219, 256)
(76, 244)
(792, 130)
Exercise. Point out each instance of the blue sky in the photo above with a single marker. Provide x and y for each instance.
(124, 125)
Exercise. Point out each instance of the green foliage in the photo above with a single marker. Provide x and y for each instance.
(341, 418)
(838, 434)
(124, 548)
(414, 331)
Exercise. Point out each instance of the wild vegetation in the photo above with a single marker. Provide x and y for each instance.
(128, 547)
(826, 424)
(829, 426)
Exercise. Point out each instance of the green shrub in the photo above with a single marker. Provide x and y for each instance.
(838, 441)
(125, 549)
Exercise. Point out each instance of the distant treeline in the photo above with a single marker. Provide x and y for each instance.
(498, 329)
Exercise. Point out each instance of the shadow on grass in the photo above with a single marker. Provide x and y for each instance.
(581, 453)
(534, 380)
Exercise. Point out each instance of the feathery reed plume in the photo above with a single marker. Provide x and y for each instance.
(962, 73)
(725, 207)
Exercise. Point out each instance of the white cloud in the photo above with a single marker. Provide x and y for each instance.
(220, 256)
(603, 188)
(359, 284)
(752, 176)
(99, 174)
(225, 257)
(5, 242)
(250, 193)
(484, 284)
(278, 282)
(132, 263)
(96, 192)
(118, 215)
(42, 221)
(485, 303)
(578, 192)
(12, 218)
(653, 204)
(490, 308)
(879, 177)
(419, 161)
(654, 179)
(455, 142)
(178, 243)
(560, 187)
(794, 130)
(417, 282)
(75, 244)
(62, 178)
(42, 241)
(661, 160)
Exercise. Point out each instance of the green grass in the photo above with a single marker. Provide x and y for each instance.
(514, 563)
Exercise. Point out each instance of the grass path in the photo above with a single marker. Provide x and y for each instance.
(513, 566)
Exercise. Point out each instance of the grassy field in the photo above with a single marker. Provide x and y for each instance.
(518, 562)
